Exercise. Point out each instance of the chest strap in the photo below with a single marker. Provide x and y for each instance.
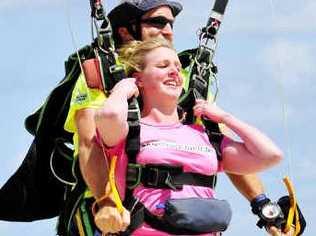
(165, 176)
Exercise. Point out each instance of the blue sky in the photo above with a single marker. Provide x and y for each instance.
(266, 58)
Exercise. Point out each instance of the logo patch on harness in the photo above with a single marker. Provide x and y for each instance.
(153, 144)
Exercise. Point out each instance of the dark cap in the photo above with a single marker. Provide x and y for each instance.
(130, 10)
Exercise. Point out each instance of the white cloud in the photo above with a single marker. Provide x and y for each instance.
(303, 169)
(271, 16)
(300, 17)
(290, 61)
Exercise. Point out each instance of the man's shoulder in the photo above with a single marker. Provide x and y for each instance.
(187, 56)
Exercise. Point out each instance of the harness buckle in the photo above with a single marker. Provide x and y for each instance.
(134, 173)
(162, 176)
(168, 182)
(153, 177)
(116, 69)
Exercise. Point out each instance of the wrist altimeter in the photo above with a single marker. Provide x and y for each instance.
(270, 213)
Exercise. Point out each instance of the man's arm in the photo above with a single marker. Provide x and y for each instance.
(250, 186)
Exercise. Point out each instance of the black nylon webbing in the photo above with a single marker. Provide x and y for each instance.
(165, 176)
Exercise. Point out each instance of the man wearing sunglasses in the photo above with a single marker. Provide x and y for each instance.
(140, 20)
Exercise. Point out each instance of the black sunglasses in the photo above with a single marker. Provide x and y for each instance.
(159, 22)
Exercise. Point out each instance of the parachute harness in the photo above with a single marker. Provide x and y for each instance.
(204, 57)
(202, 67)
(111, 73)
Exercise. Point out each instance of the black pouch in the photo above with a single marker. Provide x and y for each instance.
(198, 214)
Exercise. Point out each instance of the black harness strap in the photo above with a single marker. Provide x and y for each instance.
(132, 141)
(133, 136)
(166, 176)
(198, 89)
(215, 136)
(111, 73)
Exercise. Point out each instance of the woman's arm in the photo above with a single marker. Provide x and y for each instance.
(111, 119)
(257, 152)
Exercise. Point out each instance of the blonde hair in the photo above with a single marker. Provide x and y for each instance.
(132, 54)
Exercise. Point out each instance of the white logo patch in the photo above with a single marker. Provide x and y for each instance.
(202, 149)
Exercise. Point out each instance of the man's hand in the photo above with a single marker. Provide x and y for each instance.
(274, 231)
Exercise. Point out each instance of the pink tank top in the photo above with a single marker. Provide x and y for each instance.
(178, 144)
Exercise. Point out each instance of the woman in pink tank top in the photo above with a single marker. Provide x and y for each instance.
(154, 70)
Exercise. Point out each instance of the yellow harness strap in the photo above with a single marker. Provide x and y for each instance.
(293, 211)
(79, 223)
(110, 190)
(116, 196)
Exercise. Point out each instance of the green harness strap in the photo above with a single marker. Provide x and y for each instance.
(86, 219)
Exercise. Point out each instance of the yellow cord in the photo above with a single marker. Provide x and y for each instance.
(117, 200)
(79, 223)
(293, 211)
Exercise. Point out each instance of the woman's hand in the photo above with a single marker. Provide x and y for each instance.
(209, 110)
(109, 220)
(255, 152)
(111, 119)
(126, 87)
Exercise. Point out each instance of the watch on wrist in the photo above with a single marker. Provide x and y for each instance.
(258, 202)
(271, 212)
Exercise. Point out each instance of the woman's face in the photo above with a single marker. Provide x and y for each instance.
(161, 75)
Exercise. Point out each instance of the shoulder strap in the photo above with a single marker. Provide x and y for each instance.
(132, 142)
(215, 136)
(198, 88)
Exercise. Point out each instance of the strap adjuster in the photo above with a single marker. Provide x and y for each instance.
(152, 177)
(161, 176)
(134, 173)
(169, 182)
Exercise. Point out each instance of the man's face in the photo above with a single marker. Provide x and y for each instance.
(157, 22)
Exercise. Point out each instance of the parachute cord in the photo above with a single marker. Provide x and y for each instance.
(56, 175)
(74, 41)
(293, 215)
(284, 103)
